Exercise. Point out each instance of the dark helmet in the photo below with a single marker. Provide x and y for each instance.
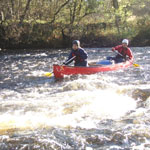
(77, 42)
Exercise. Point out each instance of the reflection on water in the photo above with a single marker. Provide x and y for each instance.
(104, 111)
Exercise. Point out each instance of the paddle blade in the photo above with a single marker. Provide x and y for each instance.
(136, 65)
(48, 74)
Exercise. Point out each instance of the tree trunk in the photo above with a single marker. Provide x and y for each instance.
(73, 13)
(73, 10)
(25, 11)
(115, 4)
(2, 17)
(117, 23)
(12, 8)
(59, 9)
(117, 19)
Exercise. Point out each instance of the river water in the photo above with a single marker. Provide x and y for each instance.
(108, 110)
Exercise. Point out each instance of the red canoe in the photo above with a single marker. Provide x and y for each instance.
(60, 71)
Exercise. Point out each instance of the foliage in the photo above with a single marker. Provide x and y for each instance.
(55, 23)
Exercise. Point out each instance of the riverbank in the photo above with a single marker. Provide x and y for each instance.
(21, 49)
(40, 36)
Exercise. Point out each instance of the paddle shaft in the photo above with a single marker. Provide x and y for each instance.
(70, 59)
(135, 65)
(50, 73)
(118, 53)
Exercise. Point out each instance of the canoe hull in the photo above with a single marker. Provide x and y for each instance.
(60, 71)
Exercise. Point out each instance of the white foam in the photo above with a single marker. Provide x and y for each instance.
(69, 109)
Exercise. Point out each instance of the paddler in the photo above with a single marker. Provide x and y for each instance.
(124, 50)
(79, 54)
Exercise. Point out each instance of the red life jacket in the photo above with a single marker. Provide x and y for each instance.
(124, 51)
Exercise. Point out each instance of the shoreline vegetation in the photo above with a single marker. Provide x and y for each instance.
(35, 24)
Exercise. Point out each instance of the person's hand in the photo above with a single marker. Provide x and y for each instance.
(113, 49)
(64, 63)
(127, 58)
(73, 54)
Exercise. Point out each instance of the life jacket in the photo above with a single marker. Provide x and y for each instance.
(80, 59)
(127, 53)
(80, 54)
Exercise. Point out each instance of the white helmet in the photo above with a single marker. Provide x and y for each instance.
(126, 41)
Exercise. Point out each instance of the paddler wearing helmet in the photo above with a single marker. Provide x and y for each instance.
(124, 50)
(79, 54)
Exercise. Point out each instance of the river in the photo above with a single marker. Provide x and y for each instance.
(108, 110)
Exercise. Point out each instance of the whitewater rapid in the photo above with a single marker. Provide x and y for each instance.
(101, 111)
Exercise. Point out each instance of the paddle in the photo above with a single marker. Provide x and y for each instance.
(49, 74)
(135, 65)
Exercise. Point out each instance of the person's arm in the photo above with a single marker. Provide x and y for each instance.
(130, 54)
(83, 54)
(116, 48)
(71, 55)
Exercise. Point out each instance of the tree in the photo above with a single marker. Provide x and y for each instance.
(22, 17)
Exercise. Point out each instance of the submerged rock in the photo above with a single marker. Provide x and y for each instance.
(118, 138)
(141, 94)
(147, 102)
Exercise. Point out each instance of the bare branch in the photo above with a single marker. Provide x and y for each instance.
(60, 8)
(25, 11)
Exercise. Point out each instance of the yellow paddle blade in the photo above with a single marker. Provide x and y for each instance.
(48, 74)
(136, 65)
